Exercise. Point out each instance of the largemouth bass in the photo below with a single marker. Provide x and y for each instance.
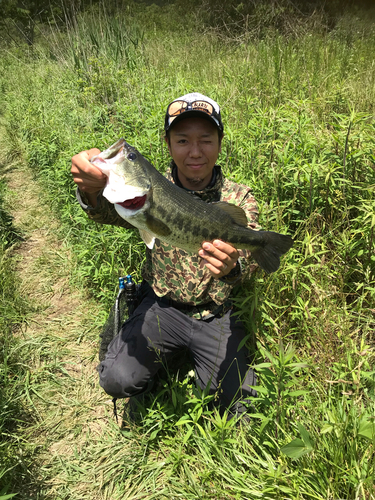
(160, 209)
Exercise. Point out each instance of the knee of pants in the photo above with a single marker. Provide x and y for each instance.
(120, 382)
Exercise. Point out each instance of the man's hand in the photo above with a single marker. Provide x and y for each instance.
(219, 257)
(88, 178)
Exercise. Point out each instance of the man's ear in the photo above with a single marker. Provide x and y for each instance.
(220, 141)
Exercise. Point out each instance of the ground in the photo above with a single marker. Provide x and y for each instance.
(60, 337)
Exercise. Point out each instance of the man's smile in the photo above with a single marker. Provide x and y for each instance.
(196, 166)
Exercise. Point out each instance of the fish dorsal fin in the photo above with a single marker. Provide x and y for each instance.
(157, 227)
(237, 214)
(148, 238)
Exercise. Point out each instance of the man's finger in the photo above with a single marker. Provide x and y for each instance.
(226, 253)
(93, 152)
(226, 248)
(214, 261)
(87, 176)
(219, 257)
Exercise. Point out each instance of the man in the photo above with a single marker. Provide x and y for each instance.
(185, 298)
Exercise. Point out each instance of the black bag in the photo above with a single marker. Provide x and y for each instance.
(126, 302)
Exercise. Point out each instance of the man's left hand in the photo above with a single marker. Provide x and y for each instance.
(219, 257)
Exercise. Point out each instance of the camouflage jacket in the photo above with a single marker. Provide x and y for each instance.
(177, 274)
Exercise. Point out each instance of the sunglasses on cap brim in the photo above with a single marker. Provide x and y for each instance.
(176, 108)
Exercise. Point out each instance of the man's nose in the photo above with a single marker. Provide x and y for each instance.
(195, 150)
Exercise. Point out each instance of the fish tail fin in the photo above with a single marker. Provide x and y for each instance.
(268, 255)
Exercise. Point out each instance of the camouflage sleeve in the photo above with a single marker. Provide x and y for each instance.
(103, 213)
(249, 205)
(242, 196)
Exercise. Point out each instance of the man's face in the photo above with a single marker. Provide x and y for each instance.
(194, 146)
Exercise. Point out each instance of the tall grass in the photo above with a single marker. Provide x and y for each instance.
(299, 129)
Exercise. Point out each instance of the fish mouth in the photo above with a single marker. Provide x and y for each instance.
(134, 203)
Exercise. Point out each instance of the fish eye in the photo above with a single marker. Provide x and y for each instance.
(132, 156)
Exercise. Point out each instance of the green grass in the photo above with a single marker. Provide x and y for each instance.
(299, 129)
(13, 311)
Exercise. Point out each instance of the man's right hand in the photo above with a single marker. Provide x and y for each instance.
(88, 178)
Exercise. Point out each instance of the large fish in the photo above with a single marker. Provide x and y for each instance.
(160, 209)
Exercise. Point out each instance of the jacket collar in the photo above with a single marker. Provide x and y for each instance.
(210, 193)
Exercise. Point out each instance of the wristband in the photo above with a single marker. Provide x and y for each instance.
(233, 276)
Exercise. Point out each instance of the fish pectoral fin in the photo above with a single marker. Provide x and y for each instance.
(148, 238)
(157, 226)
(237, 214)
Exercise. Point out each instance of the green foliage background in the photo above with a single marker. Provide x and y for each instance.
(297, 91)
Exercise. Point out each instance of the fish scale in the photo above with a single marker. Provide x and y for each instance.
(175, 215)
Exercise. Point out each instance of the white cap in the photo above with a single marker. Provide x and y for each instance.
(215, 117)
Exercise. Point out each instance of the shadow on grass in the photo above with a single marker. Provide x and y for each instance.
(19, 472)
(167, 380)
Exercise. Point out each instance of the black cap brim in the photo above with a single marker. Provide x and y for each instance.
(197, 114)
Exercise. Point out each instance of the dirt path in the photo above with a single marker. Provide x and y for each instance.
(42, 258)
(59, 342)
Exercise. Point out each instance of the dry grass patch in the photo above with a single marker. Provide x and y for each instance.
(59, 342)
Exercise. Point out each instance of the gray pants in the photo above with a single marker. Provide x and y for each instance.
(156, 331)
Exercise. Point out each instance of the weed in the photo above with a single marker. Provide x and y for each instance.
(298, 114)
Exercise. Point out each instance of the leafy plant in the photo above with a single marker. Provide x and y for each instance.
(279, 386)
(299, 130)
